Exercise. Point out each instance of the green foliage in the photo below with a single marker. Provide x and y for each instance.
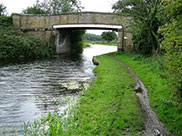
(55, 7)
(5, 21)
(109, 36)
(172, 42)
(93, 37)
(153, 74)
(142, 40)
(172, 8)
(2, 10)
(146, 17)
(34, 10)
(14, 44)
(64, 6)
(77, 41)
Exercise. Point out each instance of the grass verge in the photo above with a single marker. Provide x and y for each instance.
(152, 74)
(108, 107)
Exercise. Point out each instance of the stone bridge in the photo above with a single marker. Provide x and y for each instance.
(55, 28)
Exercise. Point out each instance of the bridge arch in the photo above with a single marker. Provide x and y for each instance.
(48, 27)
(63, 40)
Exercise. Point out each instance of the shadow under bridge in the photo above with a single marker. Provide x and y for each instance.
(63, 40)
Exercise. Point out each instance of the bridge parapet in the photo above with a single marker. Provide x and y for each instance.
(47, 21)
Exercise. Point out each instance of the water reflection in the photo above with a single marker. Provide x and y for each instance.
(32, 89)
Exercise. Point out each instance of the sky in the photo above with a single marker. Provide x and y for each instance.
(16, 6)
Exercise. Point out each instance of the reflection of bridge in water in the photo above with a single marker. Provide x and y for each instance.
(55, 28)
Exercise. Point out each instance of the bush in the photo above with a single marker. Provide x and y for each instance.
(5, 21)
(93, 37)
(172, 43)
(143, 43)
(77, 41)
(109, 36)
(14, 44)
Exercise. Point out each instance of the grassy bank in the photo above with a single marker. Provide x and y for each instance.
(108, 107)
(162, 100)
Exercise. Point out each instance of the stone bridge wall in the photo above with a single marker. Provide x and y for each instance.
(42, 25)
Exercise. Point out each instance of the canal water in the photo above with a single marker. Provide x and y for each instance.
(32, 89)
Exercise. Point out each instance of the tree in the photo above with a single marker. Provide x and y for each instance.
(2, 10)
(34, 10)
(54, 7)
(93, 37)
(172, 41)
(146, 19)
(109, 36)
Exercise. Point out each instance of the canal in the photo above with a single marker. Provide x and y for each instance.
(32, 89)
